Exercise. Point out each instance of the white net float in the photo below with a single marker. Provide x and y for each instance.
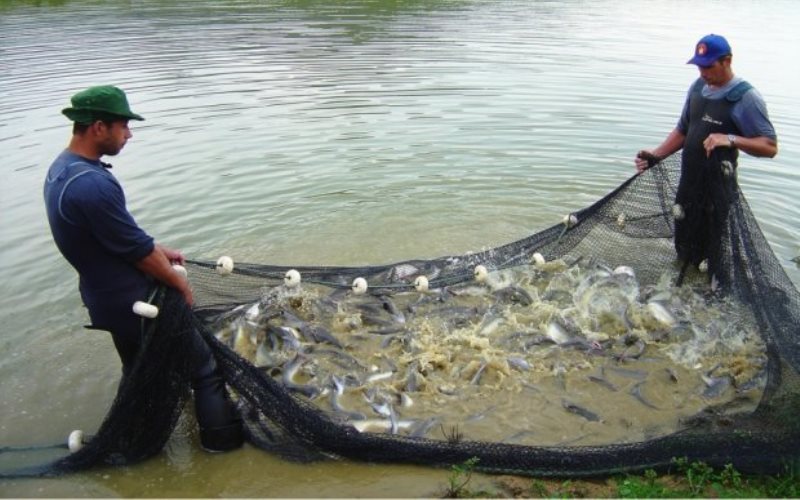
(359, 286)
(677, 212)
(481, 273)
(224, 265)
(145, 310)
(75, 440)
(180, 270)
(421, 284)
(292, 278)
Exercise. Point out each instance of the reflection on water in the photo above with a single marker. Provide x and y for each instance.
(359, 132)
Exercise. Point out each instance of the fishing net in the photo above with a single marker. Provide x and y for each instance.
(586, 349)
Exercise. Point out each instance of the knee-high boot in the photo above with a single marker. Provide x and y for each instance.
(219, 421)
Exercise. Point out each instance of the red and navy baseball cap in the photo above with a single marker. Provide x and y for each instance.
(709, 49)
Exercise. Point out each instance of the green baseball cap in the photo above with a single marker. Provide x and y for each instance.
(99, 103)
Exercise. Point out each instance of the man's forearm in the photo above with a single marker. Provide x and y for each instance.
(671, 144)
(157, 265)
(757, 146)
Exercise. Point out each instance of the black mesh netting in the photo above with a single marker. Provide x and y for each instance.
(557, 300)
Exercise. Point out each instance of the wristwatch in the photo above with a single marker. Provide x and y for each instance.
(732, 140)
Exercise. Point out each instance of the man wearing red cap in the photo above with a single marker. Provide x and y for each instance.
(117, 262)
(722, 114)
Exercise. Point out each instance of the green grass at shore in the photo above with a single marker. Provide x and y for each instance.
(686, 480)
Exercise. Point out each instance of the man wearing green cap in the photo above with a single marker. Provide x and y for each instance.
(722, 114)
(118, 263)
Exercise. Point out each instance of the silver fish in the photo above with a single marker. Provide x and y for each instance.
(516, 437)
(393, 419)
(632, 351)
(288, 336)
(636, 392)
(338, 389)
(480, 415)
(604, 382)
(321, 335)
(758, 380)
(269, 358)
(289, 373)
(414, 379)
(715, 386)
(422, 427)
(514, 294)
(629, 373)
(476, 378)
(557, 333)
(378, 376)
(661, 313)
(673, 375)
(341, 358)
(388, 330)
(374, 424)
(382, 408)
(310, 331)
(580, 411)
(392, 309)
(405, 400)
(519, 363)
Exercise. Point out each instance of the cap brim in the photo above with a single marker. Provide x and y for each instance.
(74, 114)
(89, 115)
(701, 61)
(129, 116)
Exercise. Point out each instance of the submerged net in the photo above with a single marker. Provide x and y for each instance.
(572, 352)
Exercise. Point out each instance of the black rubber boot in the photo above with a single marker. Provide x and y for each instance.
(219, 439)
(219, 421)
